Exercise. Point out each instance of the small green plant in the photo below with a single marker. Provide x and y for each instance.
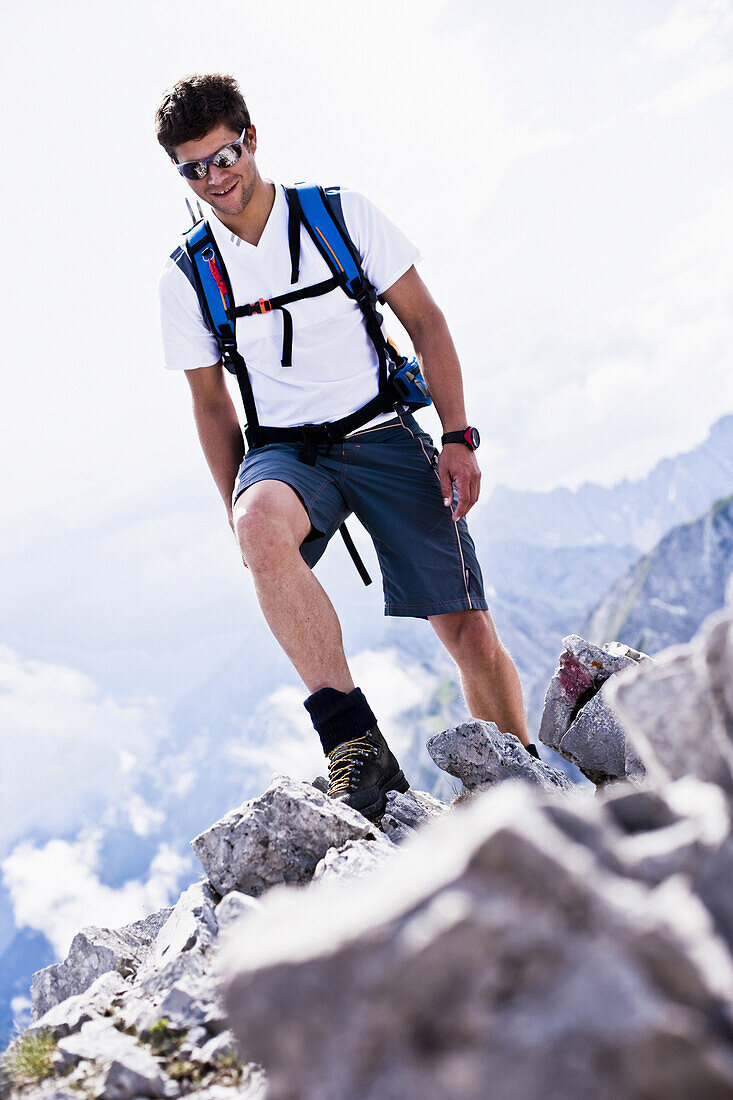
(28, 1058)
(129, 1029)
(162, 1037)
(229, 1068)
(182, 1069)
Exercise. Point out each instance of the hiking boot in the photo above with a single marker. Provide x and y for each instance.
(360, 772)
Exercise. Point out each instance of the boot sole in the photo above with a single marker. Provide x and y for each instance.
(396, 783)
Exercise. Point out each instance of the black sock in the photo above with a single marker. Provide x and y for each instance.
(339, 716)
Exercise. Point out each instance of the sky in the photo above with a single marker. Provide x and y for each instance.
(566, 172)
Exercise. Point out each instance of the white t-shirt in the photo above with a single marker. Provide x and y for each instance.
(334, 363)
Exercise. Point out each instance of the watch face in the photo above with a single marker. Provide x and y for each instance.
(473, 438)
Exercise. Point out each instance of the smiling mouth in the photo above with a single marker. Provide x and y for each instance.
(226, 192)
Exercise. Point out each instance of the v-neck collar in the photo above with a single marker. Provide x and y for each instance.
(239, 242)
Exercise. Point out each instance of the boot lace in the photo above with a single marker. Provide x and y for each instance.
(345, 763)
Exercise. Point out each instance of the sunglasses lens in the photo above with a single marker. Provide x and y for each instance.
(225, 158)
(228, 156)
(193, 169)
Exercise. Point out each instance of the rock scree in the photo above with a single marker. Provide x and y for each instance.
(536, 939)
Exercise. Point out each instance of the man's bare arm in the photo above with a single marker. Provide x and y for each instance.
(218, 427)
(418, 311)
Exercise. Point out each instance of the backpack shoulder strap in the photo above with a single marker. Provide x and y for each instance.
(320, 212)
(211, 280)
(207, 271)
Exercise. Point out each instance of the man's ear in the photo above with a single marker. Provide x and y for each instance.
(252, 137)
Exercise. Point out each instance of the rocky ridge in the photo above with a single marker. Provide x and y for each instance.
(556, 942)
(662, 598)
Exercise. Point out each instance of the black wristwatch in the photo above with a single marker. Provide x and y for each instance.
(469, 436)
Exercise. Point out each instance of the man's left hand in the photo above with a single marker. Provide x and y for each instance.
(457, 466)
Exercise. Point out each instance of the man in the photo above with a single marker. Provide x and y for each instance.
(283, 510)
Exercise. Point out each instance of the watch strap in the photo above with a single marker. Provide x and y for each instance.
(469, 437)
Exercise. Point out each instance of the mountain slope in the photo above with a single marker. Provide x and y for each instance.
(638, 512)
(663, 597)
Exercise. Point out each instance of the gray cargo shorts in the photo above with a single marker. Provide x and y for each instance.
(387, 476)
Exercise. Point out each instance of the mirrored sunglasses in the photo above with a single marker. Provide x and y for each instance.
(222, 158)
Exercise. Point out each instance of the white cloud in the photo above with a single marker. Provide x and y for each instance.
(143, 817)
(693, 47)
(55, 889)
(66, 746)
(691, 90)
(690, 26)
(289, 744)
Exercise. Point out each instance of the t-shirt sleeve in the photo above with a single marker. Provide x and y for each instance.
(187, 341)
(385, 251)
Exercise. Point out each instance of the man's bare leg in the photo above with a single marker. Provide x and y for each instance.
(270, 523)
(489, 679)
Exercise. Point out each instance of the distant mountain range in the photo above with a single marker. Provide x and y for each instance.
(662, 598)
(636, 513)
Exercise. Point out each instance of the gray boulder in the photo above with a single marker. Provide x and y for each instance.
(188, 1000)
(126, 1068)
(352, 860)
(68, 1015)
(279, 837)
(667, 709)
(637, 811)
(596, 743)
(95, 951)
(577, 720)
(190, 928)
(406, 812)
(493, 948)
(582, 669)
(713, 882)
(702, 824)
(233, 907)
(717, 643)
(478, 754)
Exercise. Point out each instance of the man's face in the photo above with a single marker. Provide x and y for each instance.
(227, 190)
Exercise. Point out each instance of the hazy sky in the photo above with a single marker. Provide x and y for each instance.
(566, 170)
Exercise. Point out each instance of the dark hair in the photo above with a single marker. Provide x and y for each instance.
(195, 106)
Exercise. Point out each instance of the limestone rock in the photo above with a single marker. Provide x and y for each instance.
(352, 860)
(233, 907)
(713, 882)
(279, 837)
(717, 642)
(667, 710)
(638, 811)
(491, 949)
(405, 812)
(190, 1002)
(216, 1047)
(577, 720)
(582, 669)
(596, 742)
(128, 1069)
(478, 753)
(191, 927)
(95, 951)
(67, 1016)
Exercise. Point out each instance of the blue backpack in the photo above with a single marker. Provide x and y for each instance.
(401, 384)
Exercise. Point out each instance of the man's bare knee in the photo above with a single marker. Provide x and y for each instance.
(468, 634)
(269, 519)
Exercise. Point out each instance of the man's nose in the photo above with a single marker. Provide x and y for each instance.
(217, 176)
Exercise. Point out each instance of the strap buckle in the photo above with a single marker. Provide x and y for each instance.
(262, 305)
